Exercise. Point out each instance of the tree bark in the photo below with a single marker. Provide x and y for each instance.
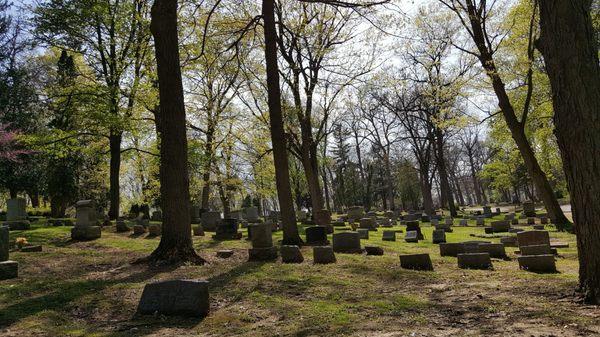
(280, 156)
(426, 192)
(115, 171)
(446, 192)
(208, 153)
(568, 45)
(176, 241)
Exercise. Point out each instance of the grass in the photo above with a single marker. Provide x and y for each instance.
(90, 289)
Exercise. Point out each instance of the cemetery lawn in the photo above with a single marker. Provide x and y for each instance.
(91, 289)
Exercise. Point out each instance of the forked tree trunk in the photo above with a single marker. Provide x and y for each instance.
(569, 48)
(280, 156)
(115, 171)
(176, 241)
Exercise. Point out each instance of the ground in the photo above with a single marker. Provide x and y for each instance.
(91, 289)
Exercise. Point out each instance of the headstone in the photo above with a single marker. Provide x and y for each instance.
(291, 254)
(538, 263)
(16, 214)
(368, 223)
(496, 250)
(385, 222)
(509, 216)
(530, 238)
(529, 209)
(363, 233)
(535, 250)
(425, 218)
(154, 230)
(390, 215)
(346, 242)
(435, 222)
(86, 225)
(480, 221)
(411, 236)
(188, 298)
(323, 255)
(487, 211)
(531, 221)
(389, 236)
(416, 262)
(121, 226)
(413, 217)
(355, 213)
(139, 229)
(195, 214)
(198, 230)
(251, 214)
(8, 269)
(463, 222)
(316, 235)
(224, 253)
(210, 220)
(227, 229)
(474, 261)
(322, 217)
(451, 249)
(539, 227)
(500, 226)
(488, 230)
(339, 223)
(509, 241)
(439, 236)
(374, 250)
(414, 226)
(156, 216)
(262, 243)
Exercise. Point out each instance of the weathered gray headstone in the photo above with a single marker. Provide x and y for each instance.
(530, 238)
(323, 255)
(346, 242)
(316, 235)
(368, 223)
(496, 250)
(439, 236)
(374, 250)
(262, 243)
(16, 209)
(509, 241)
(291, 254)
(529, 209)
(210, 220)
(355, 213)
(363, 233)
(251, 213)
(389, 236)
(500, 226)
(535, 250)
(411, 236)
(414, 226)
(86, 225)
(188, 298)
(416, 262)
(451, 249)
(227, 229)
(474, 261)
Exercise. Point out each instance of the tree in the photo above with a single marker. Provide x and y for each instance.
(176, 241)
(569, 46)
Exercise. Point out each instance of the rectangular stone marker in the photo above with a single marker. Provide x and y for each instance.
(480, 222)
(449, 222)
(16, 209)
(414, 226)
(416, 262)
(509, 241)
(262, 243)
(474, 261)
(451, 249)
(535, 250)
(439, 236)
(363, 233)
(316, 235)
(355, 213)
(529, 209)
(9, 270)
(411, 236)
(251, 214)
(323, 255)
(531, 238)
(188, 298)
(389, 236)
(346, 242)
(195, 213)
(86, 224)
(210, 220)
(496, 250)
(227, 230)
(538, 263)
(463, 222)
(500, 226)
(291, 254)
(368, 223)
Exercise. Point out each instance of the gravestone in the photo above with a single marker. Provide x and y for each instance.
(411, 236)
(154, 230)
(291, 254)
(535, 250)
(531, 221)
(425, 218)
(414, 226)
(385, 222)
(224, 253)
(514, 221)
(322, 217)
(323, 255)
(31, 249)
(487, 211)
(474, 261)
(544, 220)
(374, 250)
(86, 224)
(139, 229)
(413, 217)
(121, 226)
(188, 298)
(16, 214)
(530, 238)
(464, 223)
(390, 215)
(262, 243)
(496, 250)
(538, 263)
(509, 241)
(500, 226)
(198, 230)
(339, 223)
(316, 235)
(210, 220)
(227, 229)
(368, 223)
(251, 214)
(509, 216)
(346, 242)
(435, 222)
(416, 262)
(480, 221)
(445, 228)
(8, 269)
(451, 249)
(195, 214)
(363, 233)
(448, 221)
(389, 236)
(529, 209)
(156, 216)
(355, 213)
(439, 236)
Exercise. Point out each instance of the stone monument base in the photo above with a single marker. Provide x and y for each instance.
(85, 233)
(227, 236)
(262, 254)
(9, 269)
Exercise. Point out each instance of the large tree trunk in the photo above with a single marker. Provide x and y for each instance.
(476, 187)
(176, 242)
(446, 192)
(569, 48)
(517, 129)
(426, 192)
(312, 180)
(115, 171)
(280, 156)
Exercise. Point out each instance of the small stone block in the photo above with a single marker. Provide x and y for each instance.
(474, 261)
(451, 249)
(389, 236)
(416, 262)
(439, 236)
(535, 250)
(411, 236)
(85, 233)
(538, 263)
(291, 254)
(363, 233)
(496, 250)
(374, 250)
(323, 255)
(9, 270)
(139, 229)
(188, 298)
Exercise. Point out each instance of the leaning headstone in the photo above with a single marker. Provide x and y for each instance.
(416, 262)
(530, 238)
(188, 298)
(529, 209)
(389, 236)
(86, 225)
(227, 229)
(8, 269)
(291, 254)
(374, 250)
(323, 255)
(474, 261)
(439, 236)
(538, 263)
(500, 226)
(411, 236)
(262, 243)
(346, 242)
(210, 220)
(363, 233)
(316, 236)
